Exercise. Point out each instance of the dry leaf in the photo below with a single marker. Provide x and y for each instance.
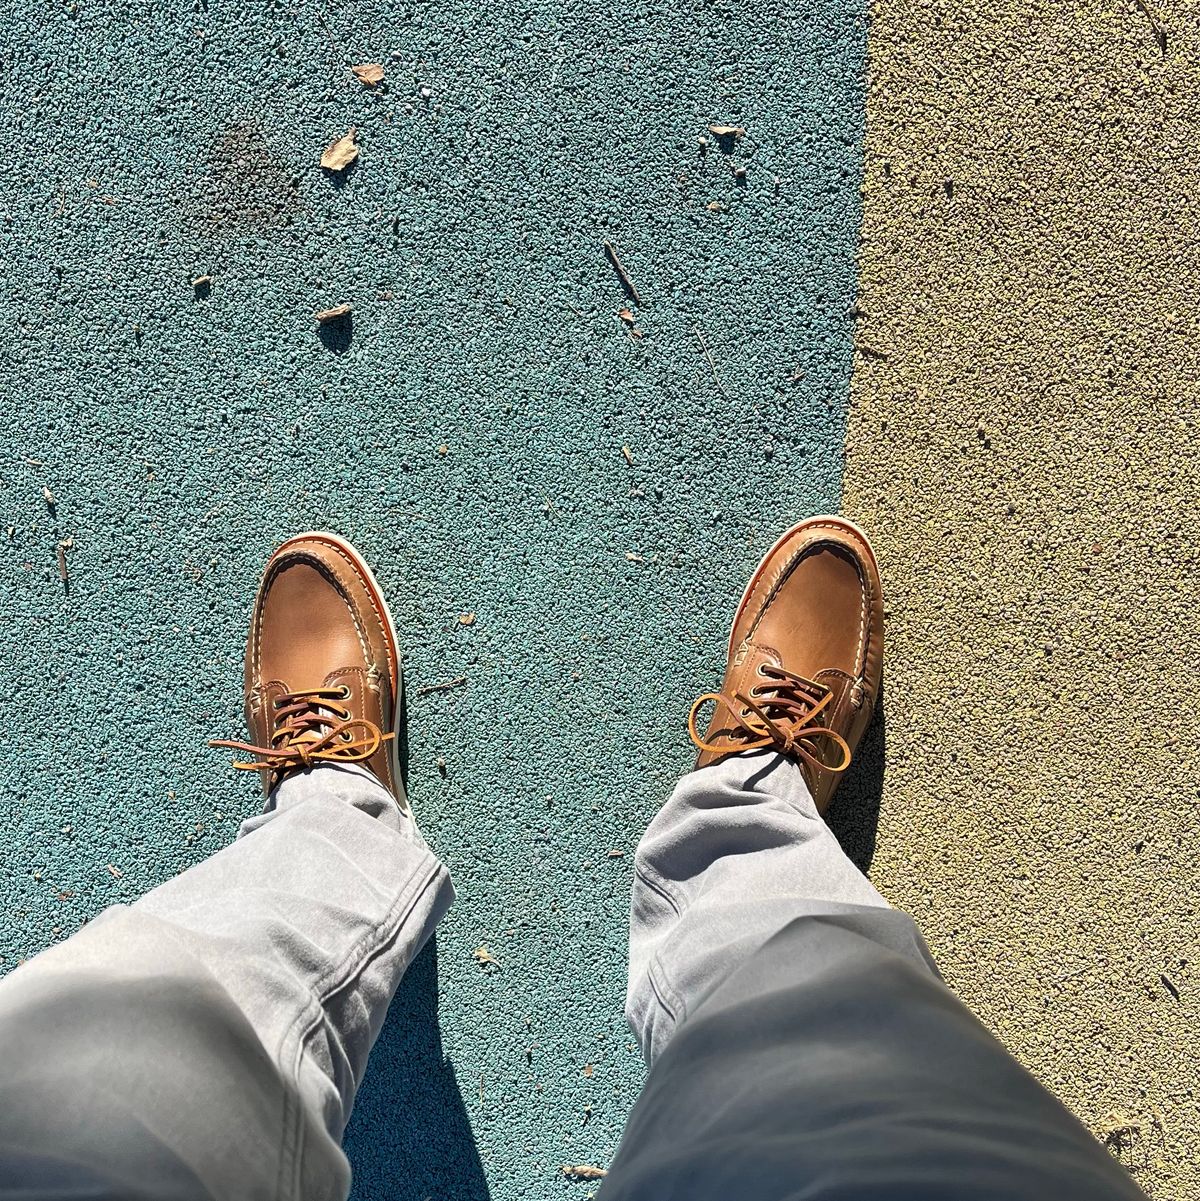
(340, 154)
(634, 557)
(626, 316)
(628, 455)
(583, 1171)
(328, 316)
(727, 131)
(115, 872)
(587, 1070)
(368, 74)
(466, 619)
(715, 206)
(484, 957)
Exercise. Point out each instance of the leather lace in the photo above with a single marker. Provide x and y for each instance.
(310, 727)
(780, 712)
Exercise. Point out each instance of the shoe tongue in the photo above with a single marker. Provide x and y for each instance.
(318, 709)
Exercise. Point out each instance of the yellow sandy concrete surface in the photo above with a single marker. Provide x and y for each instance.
(1023, 447)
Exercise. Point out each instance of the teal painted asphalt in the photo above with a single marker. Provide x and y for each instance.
(184, 432)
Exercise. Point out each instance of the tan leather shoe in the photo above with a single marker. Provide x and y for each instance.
(322, 666)
(805, 656)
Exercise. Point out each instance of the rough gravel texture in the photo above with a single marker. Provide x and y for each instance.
(465, 430)
(1023, 444)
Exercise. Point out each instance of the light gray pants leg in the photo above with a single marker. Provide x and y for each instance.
(801, 1042)
(207, 1041)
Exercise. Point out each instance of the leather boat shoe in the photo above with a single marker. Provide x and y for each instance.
(805, 656)
(322, 666)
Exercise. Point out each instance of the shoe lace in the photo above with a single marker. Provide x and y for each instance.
(780, 712)
(311, 726)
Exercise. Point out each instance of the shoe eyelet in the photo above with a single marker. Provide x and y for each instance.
(346, 736)
(761, 670)
(344, 692)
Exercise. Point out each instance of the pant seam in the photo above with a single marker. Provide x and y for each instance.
(670, 1001)
(350, 966)
(656, 882)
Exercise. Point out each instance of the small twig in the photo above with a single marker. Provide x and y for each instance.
(1160, 30)
(622, 274)
(443, 687)
(1071, 975)
(328, 34)
(711, 364)
(63, 574)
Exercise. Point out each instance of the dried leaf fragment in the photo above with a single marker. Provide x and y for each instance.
(583, 1171)
(634, 557)
(626, 316)
(202, 281)
(115, 872)
(368, 74)
(328, 316)
(340, 154)
(616, 854)
(727, 131)
(48, 497)
(466, 619)
(484, 957)
(588, 1070)
(628, 455)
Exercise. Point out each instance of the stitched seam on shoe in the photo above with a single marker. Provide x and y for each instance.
(790, 564)
(331, 983)
(330, 574)
(393, 668)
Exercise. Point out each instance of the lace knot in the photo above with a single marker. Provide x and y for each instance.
(311, 726)
(779, 713)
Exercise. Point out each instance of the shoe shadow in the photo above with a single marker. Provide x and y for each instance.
(409, 1138)
(854, 815)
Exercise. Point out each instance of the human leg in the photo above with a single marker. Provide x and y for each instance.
(208, 1040)
(801, 1042)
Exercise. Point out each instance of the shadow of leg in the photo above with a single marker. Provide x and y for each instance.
(409, 1137)
(854, 815)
